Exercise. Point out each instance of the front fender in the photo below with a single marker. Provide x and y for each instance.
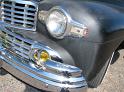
(105, 23)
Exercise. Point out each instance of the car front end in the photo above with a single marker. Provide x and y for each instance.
(30, 56)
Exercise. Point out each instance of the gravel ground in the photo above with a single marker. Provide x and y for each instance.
(113, 82)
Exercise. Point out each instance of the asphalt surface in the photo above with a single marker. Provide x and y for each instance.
(113, 82)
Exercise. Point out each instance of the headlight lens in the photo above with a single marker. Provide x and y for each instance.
(56, 23)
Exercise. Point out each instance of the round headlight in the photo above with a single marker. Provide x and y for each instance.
(56, 23)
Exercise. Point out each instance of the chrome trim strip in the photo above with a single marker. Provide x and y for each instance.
(17, 7)
(16, 16)
(8, 10)
(49, 81)
(19, 21)
(23, 2)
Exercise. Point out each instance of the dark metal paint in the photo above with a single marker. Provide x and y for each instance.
(36, 36)
(105, 22)
(101, 19)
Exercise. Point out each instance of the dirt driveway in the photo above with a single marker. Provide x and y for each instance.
(113, 82)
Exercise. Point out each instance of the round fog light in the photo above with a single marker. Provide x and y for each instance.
(44, 56)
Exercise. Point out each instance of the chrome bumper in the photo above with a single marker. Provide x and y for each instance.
(54, 76)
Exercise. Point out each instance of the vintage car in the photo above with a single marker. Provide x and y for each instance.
(60, 45)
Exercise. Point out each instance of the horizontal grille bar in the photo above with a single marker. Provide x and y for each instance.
(19, 12)
(15, 43)
(20, 15)
(10, 6)
(19, 21)
(15, 16)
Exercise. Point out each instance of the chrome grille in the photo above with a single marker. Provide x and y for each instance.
(16, 43)
(19, 14)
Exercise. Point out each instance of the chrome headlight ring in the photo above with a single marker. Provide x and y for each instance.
(71, 27)
(60, 20)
